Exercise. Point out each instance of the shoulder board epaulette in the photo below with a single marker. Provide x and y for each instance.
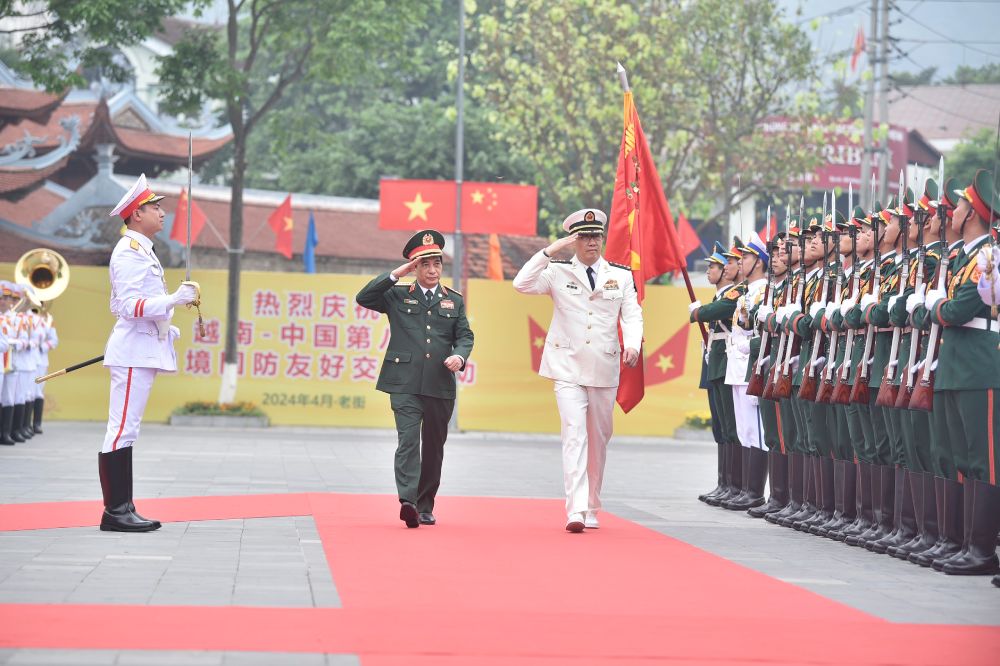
(560, 261)
(134, 244)
(450, 290)
(623, 267)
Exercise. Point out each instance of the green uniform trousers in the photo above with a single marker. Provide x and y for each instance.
(727, 412)
(894, 428)
(769, 419)
(786, 426)
(916, 440)
(422, 428)
(855, 430)
(974, 429)
(877, 451)
(942, 458)
(842, 436)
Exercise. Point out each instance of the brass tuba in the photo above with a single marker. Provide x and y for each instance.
(46, 272)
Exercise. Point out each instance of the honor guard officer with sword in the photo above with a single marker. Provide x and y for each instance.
(141, 345)
(581, 355)
(430, 340)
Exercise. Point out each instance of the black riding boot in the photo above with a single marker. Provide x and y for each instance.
(116, 486)
(36, 426)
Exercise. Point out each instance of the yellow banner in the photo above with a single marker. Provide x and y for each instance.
(308, 355)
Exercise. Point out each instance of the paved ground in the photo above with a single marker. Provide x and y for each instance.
(279, 561)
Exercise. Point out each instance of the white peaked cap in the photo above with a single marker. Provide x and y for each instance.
(138, 195)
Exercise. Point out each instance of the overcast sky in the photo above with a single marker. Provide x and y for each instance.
(954, 32)
(941, 33)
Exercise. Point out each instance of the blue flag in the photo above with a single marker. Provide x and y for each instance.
(312, 240)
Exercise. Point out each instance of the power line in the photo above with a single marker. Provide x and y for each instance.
(903, 93)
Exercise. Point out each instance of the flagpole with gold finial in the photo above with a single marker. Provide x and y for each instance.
(681, 261)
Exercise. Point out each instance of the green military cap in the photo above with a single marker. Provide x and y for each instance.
(885, 214)
(793, 227)
(982, 196)
(425, 243)
(928, 200)
(858, 216)
(837, 220)
(949, 199)
(736, 251)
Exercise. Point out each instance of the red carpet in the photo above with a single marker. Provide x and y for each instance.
(497, 581)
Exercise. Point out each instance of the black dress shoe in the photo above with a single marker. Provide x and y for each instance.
(427, 519)
(408, 514)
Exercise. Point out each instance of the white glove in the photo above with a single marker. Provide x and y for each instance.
(693, 306)
(174, 332)
(866, 300)
(763, 312)
(815, 308)
(989, 284)
(846, 306)
(892, 301)
(185, 294)
(983, 256)
(912, 301)
(933, 296)
(752, 399)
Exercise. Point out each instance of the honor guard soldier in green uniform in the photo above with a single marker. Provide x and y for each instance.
(968, 377)
(718, 314)
(430, 341)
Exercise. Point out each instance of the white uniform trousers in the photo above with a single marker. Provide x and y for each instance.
(24, 390)
(8, 382)
(587, 414)
(130, 389)
(748, 425)
(39, 388)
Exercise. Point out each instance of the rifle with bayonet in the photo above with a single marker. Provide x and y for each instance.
(772, 374)
(842, 390)
(809, 387)
(908, 376)
(860, 392)
(830, 370)
(783, 380)
(755, 385)
(888, 391)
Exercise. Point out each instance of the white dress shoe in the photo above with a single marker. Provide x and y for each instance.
(575, 522)
(590, 521)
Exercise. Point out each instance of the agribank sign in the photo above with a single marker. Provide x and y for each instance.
(842, 149)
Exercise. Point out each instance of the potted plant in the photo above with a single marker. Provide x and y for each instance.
(234, 414)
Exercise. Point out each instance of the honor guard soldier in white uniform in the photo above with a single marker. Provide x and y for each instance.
(24, 367)
(140, 346)
(582, 354)
(7, 300)
(48, 340)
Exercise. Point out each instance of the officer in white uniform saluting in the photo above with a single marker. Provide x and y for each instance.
(140, 346)
(582, 353)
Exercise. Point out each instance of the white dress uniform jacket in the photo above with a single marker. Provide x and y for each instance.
(582, 344)
(738, 341)
(142, 336)
(24, 356)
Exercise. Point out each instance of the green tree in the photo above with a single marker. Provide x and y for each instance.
(398, 121)
(973, 153)
(267, 47)
(57, 39)
(924, 77)
(965, 74)
(702, 87)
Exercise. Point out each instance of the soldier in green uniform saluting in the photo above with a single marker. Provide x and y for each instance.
(430, 341)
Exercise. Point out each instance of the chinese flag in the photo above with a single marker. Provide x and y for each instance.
(282, 224)
(198, 219)
(536, 338)
(641, 232)
(859, 47)
(686, 234)
(487, 208)
(667, 362)
(494, 208)
(494, 267)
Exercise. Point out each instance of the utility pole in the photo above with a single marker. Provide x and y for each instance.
(869, 147)
(883, 105)
(456, 254)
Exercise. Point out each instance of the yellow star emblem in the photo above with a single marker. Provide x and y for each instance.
(418, 208)
(665, 363)
(539, 342)
(289, 223)
(477, 197)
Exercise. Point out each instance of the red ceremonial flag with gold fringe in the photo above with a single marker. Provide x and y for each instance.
(282, 224)
(641, 231)
(179, 231)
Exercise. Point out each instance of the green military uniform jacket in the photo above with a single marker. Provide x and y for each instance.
(801, 324)
(878, 316)
(920, 317)
(853, 320)
(719, 313)
(968, 358)
(422, 336)
(900, 318)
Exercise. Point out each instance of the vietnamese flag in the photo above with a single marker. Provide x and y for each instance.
(411, 205)
(667, 362)
(641, 232)
(489, 208)
(198, 219)
(282, 224)
(536, 338)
